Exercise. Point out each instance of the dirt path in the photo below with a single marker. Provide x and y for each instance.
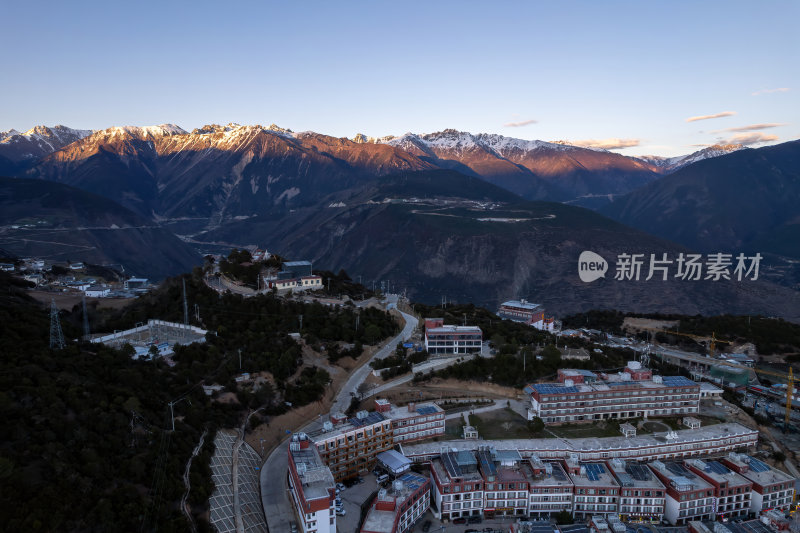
(187, 483)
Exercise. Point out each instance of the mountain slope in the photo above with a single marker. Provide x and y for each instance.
(455, 242)
(25, 149)
(532, 169)
(667, 165)
(68, 223)
(739, 201)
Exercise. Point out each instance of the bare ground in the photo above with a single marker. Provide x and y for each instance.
(638, 324)
(67, 300)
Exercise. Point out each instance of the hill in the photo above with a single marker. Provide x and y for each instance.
(747, 200)
(54, 221)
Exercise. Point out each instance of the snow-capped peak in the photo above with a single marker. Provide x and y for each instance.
(140, 132)
(669, 164)
(455, 140)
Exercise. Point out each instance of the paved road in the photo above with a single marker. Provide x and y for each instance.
(358, 376)
(275, 496)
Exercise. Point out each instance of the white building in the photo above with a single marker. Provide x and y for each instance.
(413, 422)
(311, 487)
(772, 489)
(96, 291)
(442, 339)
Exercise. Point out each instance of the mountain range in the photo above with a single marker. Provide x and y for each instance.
(455, 214)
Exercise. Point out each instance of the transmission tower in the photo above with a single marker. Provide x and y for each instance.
(56, 335)
(85, 320)
(185, 305)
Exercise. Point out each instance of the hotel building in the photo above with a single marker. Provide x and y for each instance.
(311, 486)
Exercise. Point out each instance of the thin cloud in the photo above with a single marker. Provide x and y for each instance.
(611, 143)
(752, 127)
(520, 123)
(769, 91)
(707, 117)
(745, 139)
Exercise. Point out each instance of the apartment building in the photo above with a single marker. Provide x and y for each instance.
(456, 485)
(349, 446)
(398, 508)
(581, 395)
(505, 484)
(772, 489)
(731, 490)
(441, 339)
(689, 496)
(596, 491)
(642, 495)
(311, 486)
(550, 489)
(414, 421)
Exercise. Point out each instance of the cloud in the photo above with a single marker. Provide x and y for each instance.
(520, 123)
(606, 144)
(753, 127)
(755, 137)
(715, 115)
(768, 91)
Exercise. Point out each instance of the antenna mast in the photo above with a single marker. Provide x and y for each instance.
(85, 320)
(185, 305)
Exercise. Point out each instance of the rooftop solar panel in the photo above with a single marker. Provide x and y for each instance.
(426, 410)
(487, 464)
(640, 472)
(548, 388)
(679, 470)
(677, 381)
(717, 467)
(758, 466)
(450, 463)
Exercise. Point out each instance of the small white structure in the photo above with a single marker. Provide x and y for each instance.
(96, 291)
(627, 429)
(76, 266)
(691, 422)
(708, 390)
(7, 267)
(470, 433)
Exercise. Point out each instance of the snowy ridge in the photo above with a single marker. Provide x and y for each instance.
(670, 164)
(139, 132)
(459, 141)
(38, 141)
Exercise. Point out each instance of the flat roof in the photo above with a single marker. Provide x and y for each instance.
(710, 387)
(609, 384)
(383, 521)
(423, 409)
(521, 305)
(394, 460)
(718, 472)
(296, 263)
(455, 329)
(764, 474)
(596, 474)
(681, 476)
(351, 424)
(636, 475)
(556, 477)
(315, 476)
(586, 444)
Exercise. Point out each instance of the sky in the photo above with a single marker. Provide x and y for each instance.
(626, 76)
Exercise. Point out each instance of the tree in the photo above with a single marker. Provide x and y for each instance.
(563, 517)
(362, 390)
(535, 425)
(372, 333)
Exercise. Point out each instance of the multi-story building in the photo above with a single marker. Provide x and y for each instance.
(505, 486)
(596, 491)
(520, 311)
(397, 509)
(580, 395)
(413, 422)
(456, 484)
(442, 339)
(550, 489)
(311, 486)
(772, 489)
(642, 496)
(731, 490)
(689, 496)
(350, 446)
(296, 275)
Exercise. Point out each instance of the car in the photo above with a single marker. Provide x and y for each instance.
(474, 520)
(360, 479)
(340, 486)
(471, 531)
(340, 512)
(382, 478)
(426, 526)
(293, 527)
(459, 520)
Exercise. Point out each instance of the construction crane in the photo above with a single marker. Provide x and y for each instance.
(789, 379)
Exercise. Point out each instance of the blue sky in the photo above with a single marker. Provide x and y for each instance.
(613, 72)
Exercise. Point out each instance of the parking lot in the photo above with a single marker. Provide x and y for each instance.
(352, 498)
(487, 525)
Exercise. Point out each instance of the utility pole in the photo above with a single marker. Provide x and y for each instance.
(172, 414)
(197, 313)
(185, 305)
(85, 320)
(358, 315)
(301, 322)
(56, 334)
(240, 358)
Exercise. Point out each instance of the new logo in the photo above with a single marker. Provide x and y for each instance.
(591, 266)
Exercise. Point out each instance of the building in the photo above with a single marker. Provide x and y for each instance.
(772, 489)
(596, 491)
(582, 395)
(135, 283)
(708, 390)
(296, 275)
(713, 439)
(350, 446)
(441, 339)
(394, 462)
(456, 485)
(76, 266)
(398, 508)
(505, 484)
(731, 490)
(520, 311)
(96, 291)
(550, 489)
(7, 267)
(413, 422)
(642, 496)
(311, 486)
(689, 496)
